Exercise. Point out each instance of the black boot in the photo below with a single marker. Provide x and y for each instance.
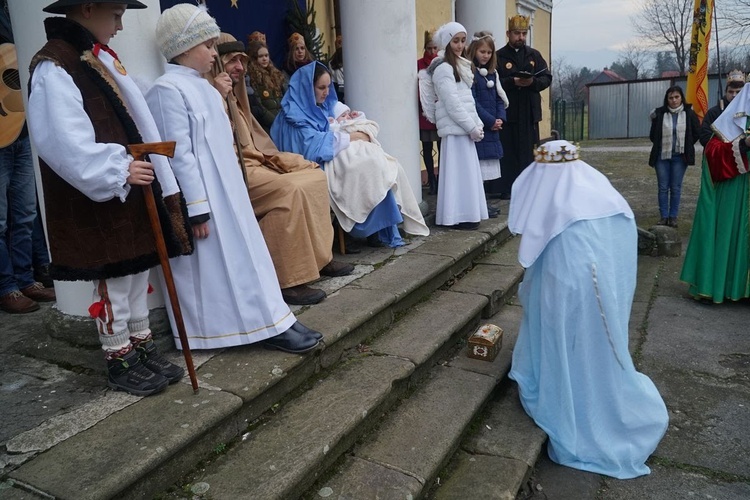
(433, 185)
(157, 363)
(127, 373)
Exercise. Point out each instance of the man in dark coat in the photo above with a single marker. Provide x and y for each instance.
(735, 82)
(523, 74)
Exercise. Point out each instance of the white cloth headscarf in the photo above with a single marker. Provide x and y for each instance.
(555, 191)
(731, 123)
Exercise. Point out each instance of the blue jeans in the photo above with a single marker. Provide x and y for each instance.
(669, 175)
(17, 206)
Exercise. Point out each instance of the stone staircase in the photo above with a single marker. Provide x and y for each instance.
(389, 407)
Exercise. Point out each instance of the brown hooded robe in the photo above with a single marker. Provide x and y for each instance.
(288, 193)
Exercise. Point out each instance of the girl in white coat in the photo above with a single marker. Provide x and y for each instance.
(461, 202)
(228, 288)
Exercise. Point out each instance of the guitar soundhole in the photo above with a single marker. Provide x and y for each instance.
(11, 79)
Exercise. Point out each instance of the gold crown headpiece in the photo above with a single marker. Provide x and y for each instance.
(735, 76)
(519, 23)
(296, 38)
(256, 36)
(557, 153)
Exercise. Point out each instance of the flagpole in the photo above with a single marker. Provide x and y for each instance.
(718, 52)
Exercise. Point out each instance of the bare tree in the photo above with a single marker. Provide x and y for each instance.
(667, 23)
(733, 18)
(637, 59)
(569, 81)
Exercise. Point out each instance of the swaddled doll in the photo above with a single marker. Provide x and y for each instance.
(344, 116)
(384, 173)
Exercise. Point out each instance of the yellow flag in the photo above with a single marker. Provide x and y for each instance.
(697, 82)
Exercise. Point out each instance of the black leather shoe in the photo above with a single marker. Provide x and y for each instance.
(291, 341)
(466, 226)
(302, 295)
(299, 327)
(335, 269)
(374, 241)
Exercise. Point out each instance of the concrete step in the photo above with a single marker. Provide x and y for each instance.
(285, 455)
(174, 431)
(403, 456)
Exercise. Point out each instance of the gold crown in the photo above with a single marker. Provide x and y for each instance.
(735, 76)
(296, 38)
(256, 36)
(560, 154)
(519, 23)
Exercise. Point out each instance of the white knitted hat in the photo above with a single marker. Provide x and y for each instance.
(446, 32)
(340, 108)
(182, 27)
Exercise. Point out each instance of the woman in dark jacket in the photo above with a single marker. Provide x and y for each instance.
(675, 129)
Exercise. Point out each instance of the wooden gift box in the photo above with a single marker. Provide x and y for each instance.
(486, 342)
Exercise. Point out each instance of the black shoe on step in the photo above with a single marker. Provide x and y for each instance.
(335, 269)
(374, 241)
(302, 295)
(291, 341)
(128, 374)
(467, 226)
(157, 363)
(299, 327)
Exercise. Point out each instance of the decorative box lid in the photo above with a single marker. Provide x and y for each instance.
(487, 334)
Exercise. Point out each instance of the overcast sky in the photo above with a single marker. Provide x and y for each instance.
(591, 32)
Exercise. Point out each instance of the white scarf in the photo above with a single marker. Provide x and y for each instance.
(141, 114)
(666, 132)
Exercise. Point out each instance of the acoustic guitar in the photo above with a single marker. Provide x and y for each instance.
(12, 115)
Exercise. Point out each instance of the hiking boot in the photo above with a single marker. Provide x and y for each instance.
(157, 363)
(17, 303)
(37, 291)
(302, 295)
(663, 222)
(128, 374)
(335, 269)
(672, 222)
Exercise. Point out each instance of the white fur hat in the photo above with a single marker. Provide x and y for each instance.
(182, 27)
(446, 32)
(339, 108)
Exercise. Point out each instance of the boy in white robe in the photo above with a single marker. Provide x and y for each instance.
(228, 288)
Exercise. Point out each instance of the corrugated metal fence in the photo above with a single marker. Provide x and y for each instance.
(620, 110)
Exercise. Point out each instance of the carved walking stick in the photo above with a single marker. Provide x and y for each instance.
(139, 152)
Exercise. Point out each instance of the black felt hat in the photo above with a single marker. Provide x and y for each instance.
(61, 6)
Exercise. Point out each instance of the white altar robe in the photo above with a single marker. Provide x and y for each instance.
(228, 289)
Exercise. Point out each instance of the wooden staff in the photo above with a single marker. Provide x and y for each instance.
(139, 152)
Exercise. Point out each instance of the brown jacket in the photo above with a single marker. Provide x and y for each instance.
(92, 240)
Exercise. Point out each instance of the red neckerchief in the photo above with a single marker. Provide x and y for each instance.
(98, 47)
(428, 57)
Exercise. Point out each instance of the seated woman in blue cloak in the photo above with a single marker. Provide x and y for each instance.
(302, 127)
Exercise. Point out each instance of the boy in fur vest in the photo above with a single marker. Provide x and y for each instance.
(84, 110)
